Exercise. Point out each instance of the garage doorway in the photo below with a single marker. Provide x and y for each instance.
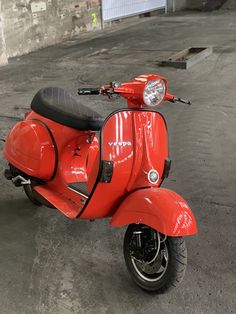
(113, 9)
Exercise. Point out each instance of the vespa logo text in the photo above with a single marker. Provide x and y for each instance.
(123, 144)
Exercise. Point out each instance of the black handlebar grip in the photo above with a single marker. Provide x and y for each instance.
(89, 91)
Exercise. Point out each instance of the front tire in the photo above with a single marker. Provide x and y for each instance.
(155, 262)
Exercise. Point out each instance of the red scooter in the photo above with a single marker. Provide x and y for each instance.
(68, 157)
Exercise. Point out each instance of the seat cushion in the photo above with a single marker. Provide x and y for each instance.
(58, 105)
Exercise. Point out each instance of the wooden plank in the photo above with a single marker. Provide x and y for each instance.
(186, 58)
(179, 55)
(204, 53)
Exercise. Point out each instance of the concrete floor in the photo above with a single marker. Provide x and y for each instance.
(49, 264)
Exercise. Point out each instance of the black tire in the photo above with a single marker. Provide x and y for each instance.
(173, 268)
(31, 194)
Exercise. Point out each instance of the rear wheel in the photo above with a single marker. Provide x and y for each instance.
(31, 194)
(156, 263)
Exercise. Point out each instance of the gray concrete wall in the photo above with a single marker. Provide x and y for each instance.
(230, 5)
(180, 4)
(3, 56)
(33, 24)
(205, 5)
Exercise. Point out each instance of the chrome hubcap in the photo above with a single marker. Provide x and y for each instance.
(154, 267)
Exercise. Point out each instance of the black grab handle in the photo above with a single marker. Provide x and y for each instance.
(89, 91)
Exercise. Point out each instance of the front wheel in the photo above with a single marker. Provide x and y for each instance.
(156, 263)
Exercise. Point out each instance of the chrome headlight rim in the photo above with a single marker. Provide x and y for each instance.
(154, 92)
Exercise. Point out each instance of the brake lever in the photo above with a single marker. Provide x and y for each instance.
(109, 92)
(183, 101)
(172, 98)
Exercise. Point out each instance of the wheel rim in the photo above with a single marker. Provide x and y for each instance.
(155, 269)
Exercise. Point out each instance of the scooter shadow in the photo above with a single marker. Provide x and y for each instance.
(20, 211)
(61, 243)
(17, 207)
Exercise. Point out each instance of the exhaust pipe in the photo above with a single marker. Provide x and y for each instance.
(19, 181)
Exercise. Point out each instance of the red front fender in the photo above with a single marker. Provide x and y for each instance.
(161, 209)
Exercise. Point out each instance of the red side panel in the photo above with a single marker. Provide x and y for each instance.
(73, 147)
(30, 149)
(161, 209)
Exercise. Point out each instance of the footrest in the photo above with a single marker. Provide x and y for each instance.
(79, 187)
(67, 207)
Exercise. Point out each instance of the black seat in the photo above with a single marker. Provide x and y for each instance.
(58, 105)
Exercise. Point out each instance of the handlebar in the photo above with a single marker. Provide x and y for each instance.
(89, 91)
(105, 90)
(183, 101)
(172, 98)
(112, 94)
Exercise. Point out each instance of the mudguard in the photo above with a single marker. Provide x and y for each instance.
(162, 209)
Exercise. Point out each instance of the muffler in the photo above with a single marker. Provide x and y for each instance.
(17, 180)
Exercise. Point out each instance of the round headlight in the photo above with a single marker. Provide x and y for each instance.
(154, 92)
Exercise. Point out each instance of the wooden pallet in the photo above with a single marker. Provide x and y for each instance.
(186, 58)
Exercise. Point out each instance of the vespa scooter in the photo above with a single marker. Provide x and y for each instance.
(68, 157)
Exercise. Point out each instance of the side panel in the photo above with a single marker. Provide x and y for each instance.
(135, 141)
(161, 209)
(72, 146)
(30, 149)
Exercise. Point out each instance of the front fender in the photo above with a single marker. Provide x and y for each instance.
(161, 209)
